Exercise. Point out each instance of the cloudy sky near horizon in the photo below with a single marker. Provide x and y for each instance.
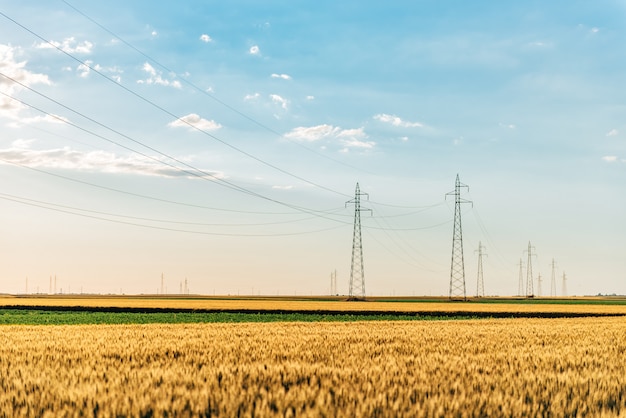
(219, 142)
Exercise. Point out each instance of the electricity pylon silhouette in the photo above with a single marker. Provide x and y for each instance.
(457, 266)
(480, 286)
(520, 287)
(357, 277)
(553, 282)
(530, 292)
(564, 290)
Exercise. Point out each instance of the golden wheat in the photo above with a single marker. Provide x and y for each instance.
(582, 305)
(506, 367)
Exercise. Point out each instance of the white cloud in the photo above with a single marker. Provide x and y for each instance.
(281, 76)
(610, 158)
(98, 161)
(205, 38)
(156, 77)
(254, 50)
(192, 121)
(349, 138)
(397, 121)
(249, 97)
(10, 108)
(355, 143)
(282, 187)
(279, 101)
(69, 45)
(310, 97)
(612, 132)
(312, 133)
(154, 33)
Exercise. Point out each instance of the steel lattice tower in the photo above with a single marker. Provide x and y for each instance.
(457, 267)
(539, 282)
(530, 292)
(553, 282)
(480, 286)
(564, 290)
(357, 277)
(520, 288)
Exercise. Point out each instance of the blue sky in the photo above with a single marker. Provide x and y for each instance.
(219, 142)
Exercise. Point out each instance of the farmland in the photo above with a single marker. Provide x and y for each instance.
(511, 367)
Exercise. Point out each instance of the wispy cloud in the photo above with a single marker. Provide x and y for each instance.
(281, 76)
(192, 121)
(205, 38)
(95, 161)
(349, 138)
(156, 77)
(610, 158)
(507, 125)
(612, 132)
(249, 97)
(397, 121)
(69, 45)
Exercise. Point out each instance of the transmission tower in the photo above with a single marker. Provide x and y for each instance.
(553, 281)
(539, 282)
(564, 285)
(530, 292)
(480, 286)
(333, 283)
(357, 277)
(520, 287)
(457, 267)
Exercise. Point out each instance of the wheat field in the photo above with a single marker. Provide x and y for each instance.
(495, 367)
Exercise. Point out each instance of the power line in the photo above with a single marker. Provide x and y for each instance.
(198, 173)
(206, 93)
(167, 112)
(76, 212)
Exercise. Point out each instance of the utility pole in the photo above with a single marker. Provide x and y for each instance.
(162, 286)
(480, 286)
(553, 281)
(530, 292)
(357, 277)
(564, 285)
(333, 283)
(457, 266)
(520, 286)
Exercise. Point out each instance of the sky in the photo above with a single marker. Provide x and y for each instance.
(145, 144)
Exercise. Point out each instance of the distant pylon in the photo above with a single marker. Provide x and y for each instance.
(357, 277)
(539, 281)
(520, 286)
(553, 281)
(564, 289)
(480, 286)
(457, 266)
(333, 283)
(530, 291)
(162, 286)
